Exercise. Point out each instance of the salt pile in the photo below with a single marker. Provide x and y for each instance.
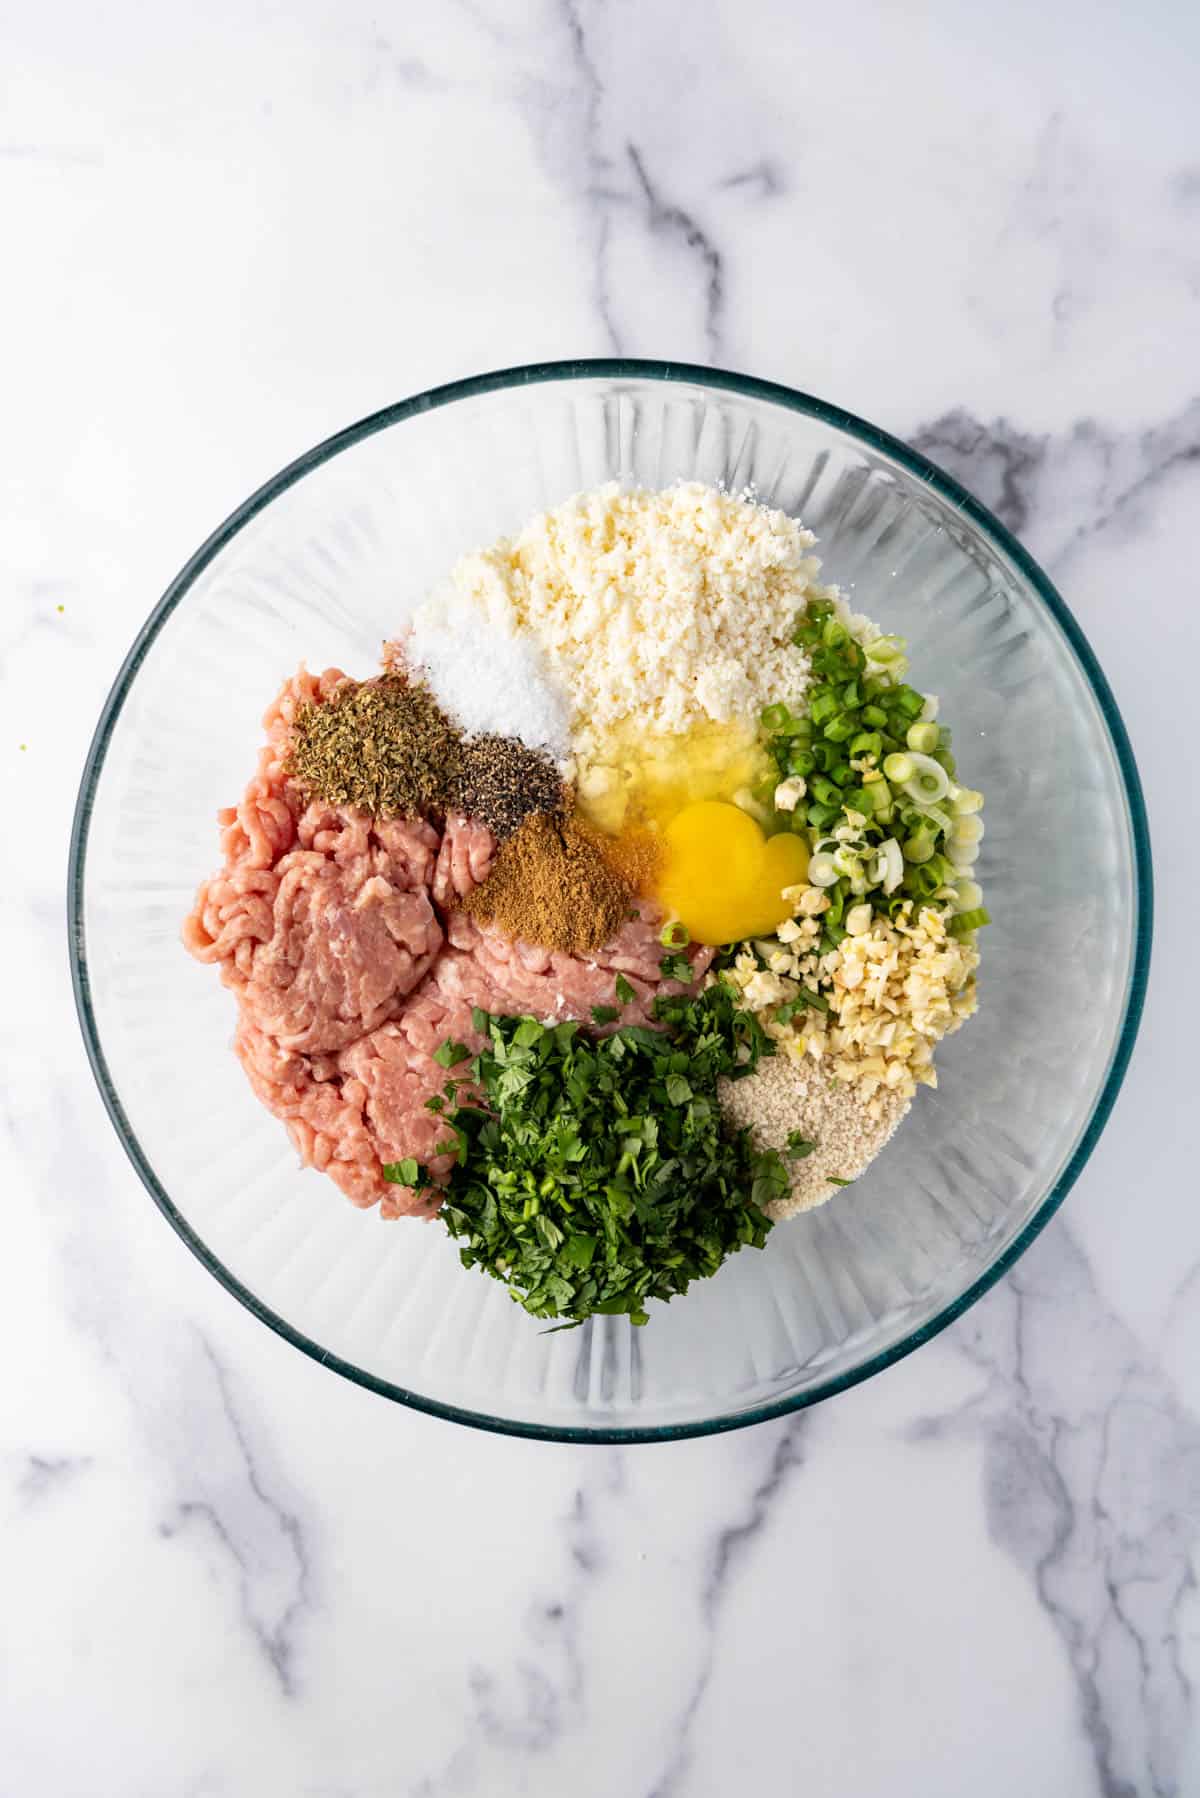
(490, 679)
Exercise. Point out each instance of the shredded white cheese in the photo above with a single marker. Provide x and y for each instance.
(676, 605)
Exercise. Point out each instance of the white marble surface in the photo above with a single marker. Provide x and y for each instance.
(229, 230)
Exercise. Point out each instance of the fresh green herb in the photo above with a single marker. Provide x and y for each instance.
(405, 1173)
(435, 1104)
(834, 1181)
(604, 1014)
(769, 1182)
(597, 1175)
(450, 1054)
(624, 990)
(676, 967)
(797, 1147)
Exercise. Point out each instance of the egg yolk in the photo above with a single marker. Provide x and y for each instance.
(724, 877)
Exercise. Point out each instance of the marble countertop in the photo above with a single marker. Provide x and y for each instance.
(231, 230)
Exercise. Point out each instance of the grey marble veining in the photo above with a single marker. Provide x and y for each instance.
(226, 1571)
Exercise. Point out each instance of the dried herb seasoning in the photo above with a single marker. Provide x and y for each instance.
(387, 747)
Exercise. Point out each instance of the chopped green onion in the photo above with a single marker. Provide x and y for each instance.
(919, 847)
(674, 935)
(874, 715)
(966, 830)
(886, 650)
(824, 705)
(927, 783)
(841, 727)
(923, 738)
(908, 702)
(965, 921)
(887, 870)
(968, 895)
(821, 871)
(899, 768)
(933, 815)
(966, 800)
(774, 717)
(867, 742)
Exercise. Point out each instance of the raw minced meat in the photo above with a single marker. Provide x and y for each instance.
(351, 962)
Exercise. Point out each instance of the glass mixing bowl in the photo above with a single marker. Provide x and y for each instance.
(321, 565)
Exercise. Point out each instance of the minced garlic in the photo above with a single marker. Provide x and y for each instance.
(892, 992)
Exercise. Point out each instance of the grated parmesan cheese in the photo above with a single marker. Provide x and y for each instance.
(677, 605)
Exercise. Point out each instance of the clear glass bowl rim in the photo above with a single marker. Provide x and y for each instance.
(747, 386)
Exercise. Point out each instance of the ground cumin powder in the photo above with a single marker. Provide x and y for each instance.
(552, 885)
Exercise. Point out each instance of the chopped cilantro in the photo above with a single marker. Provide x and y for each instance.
(676, 967)
(797, 1146)
(834, 1181)
(624, 990)
(450, 1054)
(408, 1172)
(596, 1175)
(604, 1014)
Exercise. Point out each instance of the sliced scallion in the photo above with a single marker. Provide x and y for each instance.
(924, 738)
(964, 922)
(966, 830)
(899, 768)
(919, 847)
(928, 781)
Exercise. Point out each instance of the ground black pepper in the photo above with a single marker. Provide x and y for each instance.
(503, 782)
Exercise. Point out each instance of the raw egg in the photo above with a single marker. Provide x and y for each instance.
(631, 779)
(724, 877)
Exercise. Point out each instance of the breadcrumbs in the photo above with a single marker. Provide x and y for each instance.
(789, 1092)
